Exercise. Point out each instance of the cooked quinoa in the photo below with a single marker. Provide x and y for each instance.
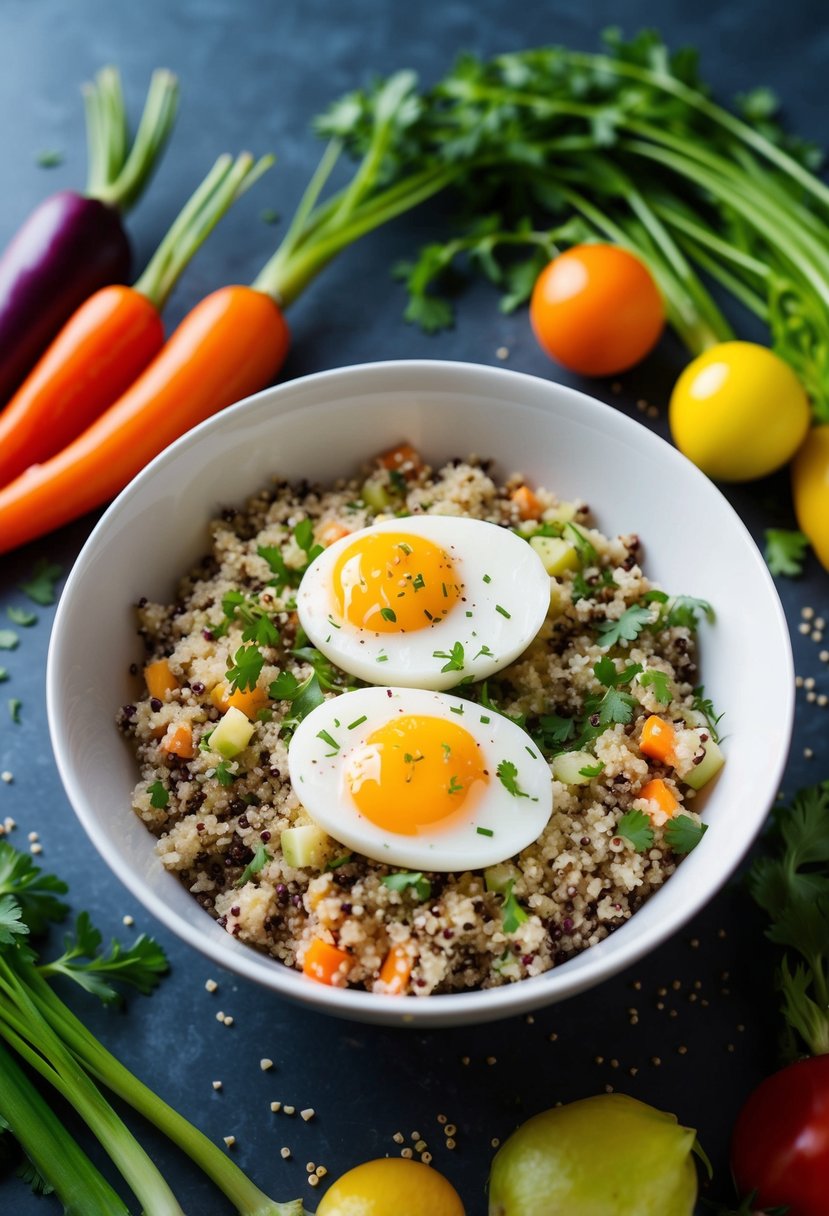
(218, 824)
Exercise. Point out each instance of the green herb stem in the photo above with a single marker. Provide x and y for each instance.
(58, 1158)
(118, 173)
(223, 185)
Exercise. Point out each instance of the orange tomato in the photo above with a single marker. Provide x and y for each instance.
(597, 310)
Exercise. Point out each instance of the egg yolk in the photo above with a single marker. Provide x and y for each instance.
(393, 582)
(414, 772)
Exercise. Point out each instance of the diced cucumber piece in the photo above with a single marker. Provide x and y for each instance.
(567, 767)
(557, 554)
(232, 735)
(375, 495)
(708, 767)
(564, 513)
(305, 847)
(498, 878)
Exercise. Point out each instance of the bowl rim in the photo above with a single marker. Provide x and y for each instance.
(442, 1009)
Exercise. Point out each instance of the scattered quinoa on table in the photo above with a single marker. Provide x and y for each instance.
(608, 692)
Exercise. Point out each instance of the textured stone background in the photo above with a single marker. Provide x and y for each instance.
(252, 75)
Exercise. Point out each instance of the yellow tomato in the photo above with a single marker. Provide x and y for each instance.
(738, 411)
(391, 1186)
(810, 490)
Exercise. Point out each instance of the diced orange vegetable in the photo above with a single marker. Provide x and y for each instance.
(331, 531)
(657, 791)
(396, 969)
(249, 701)
(397, 457)
(528, 505)
(326, 964)
(658, 739)
(179, 741)
(159, 679)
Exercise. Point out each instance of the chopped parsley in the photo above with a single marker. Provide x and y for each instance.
(418, 582)
(682, 833)
(592, 770)
(328, 676)
(684, 610)
(246, 669)
(554, 732)
(15, 706)
(388, 614)
(628, 627)
(587, 553)
(405, 879)
(454, 657)
(41, 586)
(512, 914)
(635, 827)
(507, 774)
(258, 626)
(159, 797)
(284, 687)
(455, 786)
(398, 481)
(705, 706)
(21, 616)
(260, 859)
(785, 551)
(307, 696)
(658, 681)
(8, 639)
(224, 775)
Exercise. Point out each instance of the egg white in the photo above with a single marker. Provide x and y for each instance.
(318, 776)
(505, 598)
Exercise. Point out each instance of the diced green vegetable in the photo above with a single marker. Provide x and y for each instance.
(375, 495)
(564, 513)
(567, 767)
(232, 735)
(708, 767)
(557, 555)
(499, 878)
(305, 847)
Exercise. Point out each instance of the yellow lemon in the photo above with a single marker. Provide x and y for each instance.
(391, 1186)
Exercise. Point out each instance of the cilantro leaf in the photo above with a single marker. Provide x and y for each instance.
(512, 914)
(327, 674)
(454, 658)
(159, 797)
(683, 833)
(785, 551)
(8, 639)
(284, 576)
(628, 627)
(33, 890)
(552, 732)
(592, 770)
(224, 774)
(12, 924)
(685, 610)
(260, 859)
(306, 696)
(705, 706)
(304, 537)
(284, 687)
(658, 681)
(581, 543)
(141, 965)
(21, 616)
(635, 827)
(41, 586)
(507, 774)
(246, 669)
(404, 879)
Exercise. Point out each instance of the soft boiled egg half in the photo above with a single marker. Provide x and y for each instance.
(427, 601)
(420, 779)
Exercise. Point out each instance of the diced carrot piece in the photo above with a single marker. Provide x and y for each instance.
(397, 457)
(657, 791)
(179, 740)
(249, 701)
(396, 969)
(159, 679)
(658, 739)
(331, 531)
(326, 964)
(528, 505)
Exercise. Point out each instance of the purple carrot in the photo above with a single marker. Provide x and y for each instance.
(73, 244)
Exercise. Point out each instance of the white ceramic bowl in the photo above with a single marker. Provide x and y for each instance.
(324, 426)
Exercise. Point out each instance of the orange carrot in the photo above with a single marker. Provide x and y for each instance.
(658, 739)
(231, 344)
(114, 335)
(179, 741)
(395, 972)
(657, 791)
(249, 701)
(528, 505)
(326, 964)
(403, 456)
(159, 679)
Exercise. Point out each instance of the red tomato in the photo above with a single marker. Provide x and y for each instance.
(597, 310)
(780, 1146)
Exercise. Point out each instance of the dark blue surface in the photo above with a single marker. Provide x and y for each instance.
(252, 75)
